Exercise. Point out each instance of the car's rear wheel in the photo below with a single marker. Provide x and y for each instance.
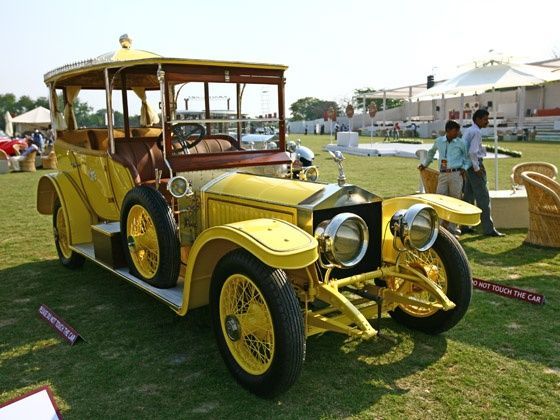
(150, 237)
(66, 256)
(258, 324)
(446, 264)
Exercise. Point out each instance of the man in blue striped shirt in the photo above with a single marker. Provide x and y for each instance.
(475, 182)
(453, 162)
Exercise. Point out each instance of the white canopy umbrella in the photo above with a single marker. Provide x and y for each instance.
(493, 75)
(39, 117)
(9, 127)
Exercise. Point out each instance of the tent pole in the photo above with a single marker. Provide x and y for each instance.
(462, 110)
(495, 106)
(384, 108)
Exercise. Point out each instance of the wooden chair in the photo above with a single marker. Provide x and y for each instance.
(429, 180)
(543, 197)
(543, 168)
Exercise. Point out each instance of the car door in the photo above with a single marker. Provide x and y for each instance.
(94, 176)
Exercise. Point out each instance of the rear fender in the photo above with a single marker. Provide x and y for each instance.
(76, 212)
(276, 243)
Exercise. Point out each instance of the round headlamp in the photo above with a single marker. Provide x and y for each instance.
(416, 227)
(343, 240)
(178, 186)
(310, 173)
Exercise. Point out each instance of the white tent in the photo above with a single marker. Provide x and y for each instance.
(492, 75)
(39, 117)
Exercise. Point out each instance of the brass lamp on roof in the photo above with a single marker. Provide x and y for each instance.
(125, 41)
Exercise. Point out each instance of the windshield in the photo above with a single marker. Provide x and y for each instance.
(245, 115)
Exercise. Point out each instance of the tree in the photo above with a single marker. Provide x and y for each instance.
(85, 116)
(391, 103)
(311, 108)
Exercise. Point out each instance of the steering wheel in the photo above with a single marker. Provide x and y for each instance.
(184, 133)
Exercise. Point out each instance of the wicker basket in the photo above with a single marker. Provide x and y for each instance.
(543, 197)
(429, 180)
(544, 168)
(4, 162)
(49, 161)
(28, 164)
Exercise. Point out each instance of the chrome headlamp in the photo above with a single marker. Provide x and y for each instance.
(416, 227)
(343, 240)
(178, 186)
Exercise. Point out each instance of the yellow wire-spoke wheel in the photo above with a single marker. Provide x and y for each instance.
(142, 241)
(429, 264)
(247, 324)
(446, 264)
(61, 234)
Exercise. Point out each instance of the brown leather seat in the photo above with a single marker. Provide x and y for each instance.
(141, 158)
(216, 143)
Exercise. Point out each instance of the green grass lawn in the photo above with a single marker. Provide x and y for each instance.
(141, 361)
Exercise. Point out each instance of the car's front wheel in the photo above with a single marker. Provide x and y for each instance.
(258, 324)
(150, 237)
(446, 264)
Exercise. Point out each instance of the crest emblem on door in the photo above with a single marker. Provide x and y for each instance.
(92, 175)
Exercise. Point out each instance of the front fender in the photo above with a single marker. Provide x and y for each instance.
(447, 208)
(276, 243)
(77, 214)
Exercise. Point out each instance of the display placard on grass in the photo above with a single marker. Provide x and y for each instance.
(508, 291)
(59, 325)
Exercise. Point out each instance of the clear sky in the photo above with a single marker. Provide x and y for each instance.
(331, 47)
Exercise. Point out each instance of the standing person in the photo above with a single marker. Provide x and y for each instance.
(453, 162)
(475, 182)
(397, 131)
(533, 135)
(39, 140)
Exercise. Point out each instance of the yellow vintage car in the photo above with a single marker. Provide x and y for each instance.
(177, 206)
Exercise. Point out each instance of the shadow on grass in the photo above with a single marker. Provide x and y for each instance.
(521, 254)
(141, 360)
(514, 328)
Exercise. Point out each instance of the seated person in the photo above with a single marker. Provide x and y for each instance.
(15, 160)
(8, 146)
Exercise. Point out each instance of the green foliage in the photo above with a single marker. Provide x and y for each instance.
(391, 103)
(404, 141)
(503, 150)
(85, 115)
(311, 108)
(9, 102)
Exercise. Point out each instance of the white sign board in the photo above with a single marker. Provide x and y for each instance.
(36, 405)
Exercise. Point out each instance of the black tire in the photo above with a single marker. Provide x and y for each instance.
(459, 289)
(166, 271)
(67, 258)
(280, 368)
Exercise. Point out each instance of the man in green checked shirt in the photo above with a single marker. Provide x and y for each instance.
(453, 162)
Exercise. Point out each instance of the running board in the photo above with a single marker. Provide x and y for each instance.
(172, 297)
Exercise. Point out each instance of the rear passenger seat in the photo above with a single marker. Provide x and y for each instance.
(77, 138)
(99, 138)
